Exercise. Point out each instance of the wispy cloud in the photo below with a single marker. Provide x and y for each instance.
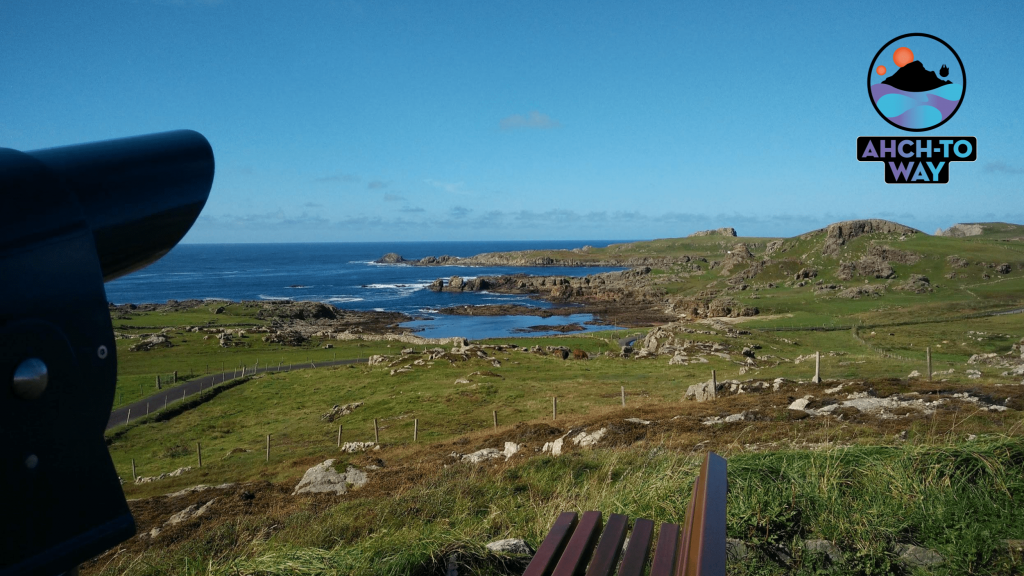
(377, 185)
(411, 209)
(389, 197)
(534, 120)
(459, 212)
(449, 187)
(1000, 166)
(312, 205)
(337, 178)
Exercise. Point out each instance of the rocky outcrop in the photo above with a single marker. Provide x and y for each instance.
(711, 305)
(390, 258)
(866, 266)
(716, 232)
(839, 234)
(961, 230)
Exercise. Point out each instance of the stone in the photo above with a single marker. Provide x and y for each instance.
(638, 421)
(189, 513)
(555, 446)
(323, 478)
(736, 550)
(914, 374)
(918, 556)
(800, 403)
(824, 547)
(512, 546)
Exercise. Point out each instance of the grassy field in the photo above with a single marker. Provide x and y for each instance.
(949, 480)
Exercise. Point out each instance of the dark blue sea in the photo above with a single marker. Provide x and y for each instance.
(343, 274)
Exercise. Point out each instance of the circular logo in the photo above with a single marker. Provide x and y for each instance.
(916, 82)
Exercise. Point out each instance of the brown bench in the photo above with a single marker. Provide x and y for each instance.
(582, 546)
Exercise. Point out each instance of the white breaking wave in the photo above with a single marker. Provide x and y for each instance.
(344, 299)
(403, 286)
(265, 297)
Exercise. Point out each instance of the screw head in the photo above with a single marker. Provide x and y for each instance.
(32, 461)
(30, 379)
(102, 352)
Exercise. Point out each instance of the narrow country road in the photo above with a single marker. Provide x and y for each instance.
(179, 392)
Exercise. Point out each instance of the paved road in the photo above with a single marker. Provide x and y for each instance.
(177, 393)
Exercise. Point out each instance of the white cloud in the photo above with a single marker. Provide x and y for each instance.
(534, 120)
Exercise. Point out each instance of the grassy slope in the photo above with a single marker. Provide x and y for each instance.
(957, 498)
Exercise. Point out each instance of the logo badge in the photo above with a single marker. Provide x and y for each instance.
(916, 82)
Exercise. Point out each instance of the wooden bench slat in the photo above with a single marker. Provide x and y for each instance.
(687, 530)
(606, 556)
(639, 547)
(667, 551)
(550, 549)
(581, 545)
(706, 518)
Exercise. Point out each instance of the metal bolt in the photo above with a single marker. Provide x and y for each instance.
(102, 352)
(30, 379)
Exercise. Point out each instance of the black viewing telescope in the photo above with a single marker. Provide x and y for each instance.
(73, 218)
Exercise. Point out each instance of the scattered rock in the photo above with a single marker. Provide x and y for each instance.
(479, 456)
(339, 411)
(178, 472)
(353, 447)
(914, 374)
(584, 440)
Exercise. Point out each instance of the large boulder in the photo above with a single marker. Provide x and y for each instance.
(704, 391)
(324, 478)
(390, 258)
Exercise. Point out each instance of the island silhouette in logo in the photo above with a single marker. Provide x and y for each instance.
(913, 97)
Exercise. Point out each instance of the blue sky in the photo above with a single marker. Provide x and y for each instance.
(374, 121)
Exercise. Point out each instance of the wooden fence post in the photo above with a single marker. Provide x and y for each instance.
(376, 432)
(268, 447)
(174, 379)
(494, 415)
(415, 429)
(623, 396)
(554, 407)
(714, 385)
(147, 408)
(129, 418)
(199, 453)
(817, 368)
(134, 476)
(157, 381)
(339, 435)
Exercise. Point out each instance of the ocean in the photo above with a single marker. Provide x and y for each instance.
(343, 274)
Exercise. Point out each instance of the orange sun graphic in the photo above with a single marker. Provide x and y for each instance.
(902, 56)
(880, 70)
